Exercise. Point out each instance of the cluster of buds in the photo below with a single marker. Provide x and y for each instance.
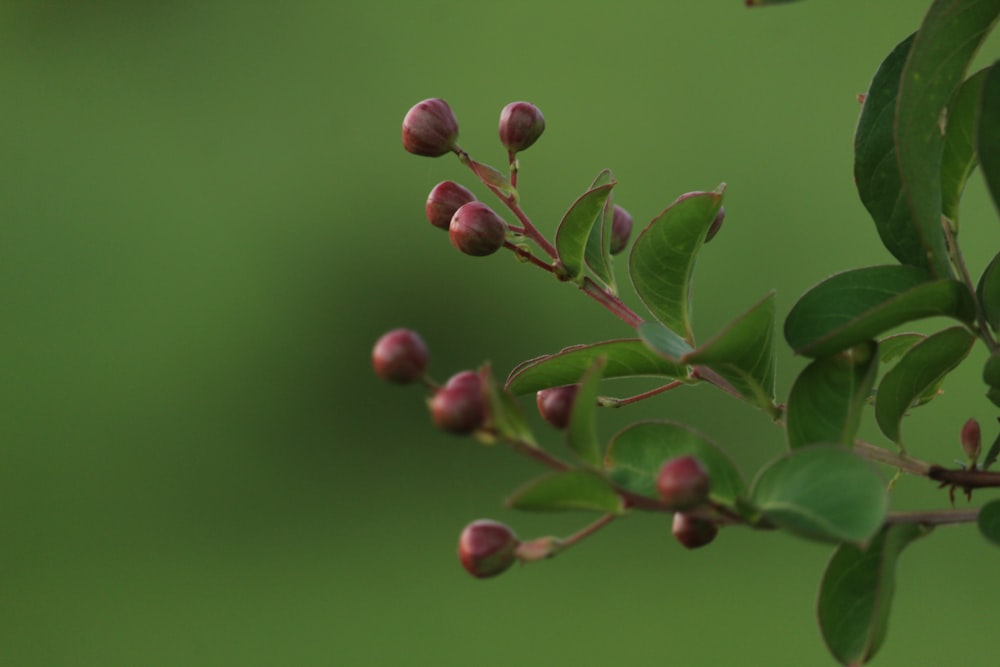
(683, 485)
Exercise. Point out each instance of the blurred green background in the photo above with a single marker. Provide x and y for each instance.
(207, 218)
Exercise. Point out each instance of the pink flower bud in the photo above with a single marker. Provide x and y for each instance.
(442, 202)
(971, 440)
(693, 532)
(716, 225)
(476, 230)
(460, 406)
(487, 548)
(430, 128)
(621, 229)
(683, 483)
(556, 404)
(400, 356)
(521, 123)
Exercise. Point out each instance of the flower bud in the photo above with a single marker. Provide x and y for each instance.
(460, 406)
(971, 440)
(556, 404)
(430, 128)
(476, 230)
(693, 532)
(400, 356)
(446, 198)
(716, 225)
(621, 229)
(683, 483)
(486, 548)
(521, 123)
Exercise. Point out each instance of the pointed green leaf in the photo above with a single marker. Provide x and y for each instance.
(823, 492)
(944, 46)
(636, 455)
(505, 415)
(858, 305)
(988, 292)
(875, 171)
(921, 367)
(959, 157)
(570, 490)
(991, 371)
(988, 133)
(663, 341)
(743, 354)
(855, 596)
(598, 252)
(625, 358)
(663, 256)
(891, 348)
(574, 230)
(827, 399)
(989, 521)
(992, 454)
(581, 433)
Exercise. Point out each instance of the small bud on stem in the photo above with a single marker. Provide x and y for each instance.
(486, 548)
(442, 202)
(400, 356)
(521, 124)
(683, 483)
(430, 128)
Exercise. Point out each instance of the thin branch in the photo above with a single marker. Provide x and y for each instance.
(904, 462)
(933, 517)
(982, 328)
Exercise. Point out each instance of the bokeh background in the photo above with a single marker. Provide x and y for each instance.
(207, 218)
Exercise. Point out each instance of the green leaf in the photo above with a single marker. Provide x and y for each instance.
(636, 455)
(625, 358)
(855, 596)
(959, 156)
(992, 454)
(988, 293)
(822, 492)
(598, 252)
(663, 256)
(892, 347)
(505, 414)
(991, 370)
(581, 433)
(743, 354)
(858, 305)
(663, 341)
(941, 52)
(574, 230)
(875, 171)
(989, 521)
(571, 490)
(827, 398)
(921, 368)
(988, 133)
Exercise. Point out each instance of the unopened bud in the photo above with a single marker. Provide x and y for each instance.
(400, 356)
(430, 128)
(486, 548)
(683, 483)
(693, 532)
(621, 229)
(521, 123)
(460, 406)
(716, 225)
(442, 202)
(556, 404)
(476, 230)
(971, 440)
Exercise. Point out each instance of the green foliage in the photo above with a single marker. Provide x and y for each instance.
(856, 593)
(581, 435)
(663, 257)
(822, 492)
(570, 490)
(826, 401)
(624, 358)
(598, 251)
(988, 132)
(573, 233)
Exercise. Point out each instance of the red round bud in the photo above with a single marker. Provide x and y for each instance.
(621, 229)
(971, 440)
(442, 202)
(716, 225)
(400, 356)
(486, 548)
(460, 406)
(430, 128)
(476, 230)
(683, 483)
(693, 532)
(556, 404)
(521, 123)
